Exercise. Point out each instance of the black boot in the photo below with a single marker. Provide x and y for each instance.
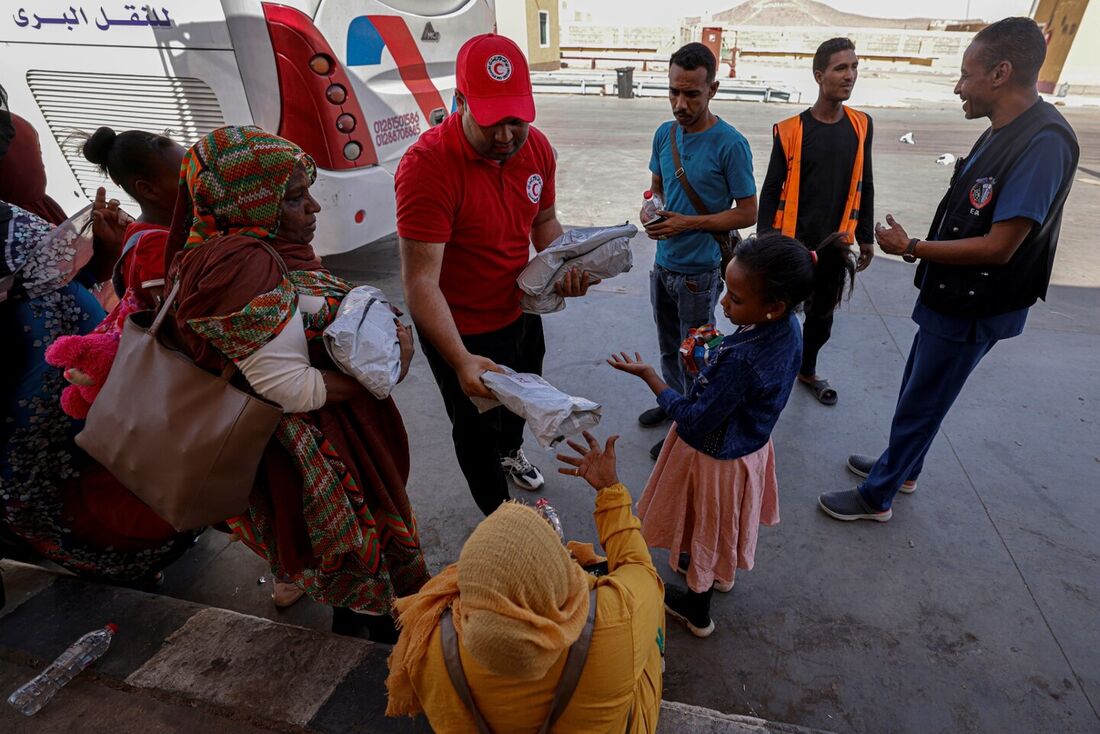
(382, 629)
(691, 608)
(376, 628)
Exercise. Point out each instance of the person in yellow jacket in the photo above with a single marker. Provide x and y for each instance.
(819, 182)
(521, 607)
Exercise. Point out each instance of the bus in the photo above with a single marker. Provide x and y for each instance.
(354, 82)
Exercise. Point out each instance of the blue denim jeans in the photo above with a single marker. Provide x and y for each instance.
(680, 301)
(934, 376)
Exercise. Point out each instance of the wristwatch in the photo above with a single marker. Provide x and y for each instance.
(910, 254)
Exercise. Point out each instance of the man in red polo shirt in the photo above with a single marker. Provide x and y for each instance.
(473, 194)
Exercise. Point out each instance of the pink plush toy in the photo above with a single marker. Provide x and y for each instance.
(87, 358)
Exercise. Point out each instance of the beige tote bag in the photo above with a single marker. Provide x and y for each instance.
(185, 441)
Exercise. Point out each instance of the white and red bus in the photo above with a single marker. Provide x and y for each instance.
(354, 82)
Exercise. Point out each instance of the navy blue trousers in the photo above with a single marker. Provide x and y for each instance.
(934, 376)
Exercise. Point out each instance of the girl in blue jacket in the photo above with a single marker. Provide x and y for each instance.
(714, 483)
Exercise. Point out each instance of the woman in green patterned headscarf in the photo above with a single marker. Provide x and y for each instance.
(329, 508)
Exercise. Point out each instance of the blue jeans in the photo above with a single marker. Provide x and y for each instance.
(934, 376)
(681, 301)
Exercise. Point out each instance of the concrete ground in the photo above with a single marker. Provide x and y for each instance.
(973, 610)
(177, 666)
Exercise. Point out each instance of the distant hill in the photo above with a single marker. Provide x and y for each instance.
(793, 13)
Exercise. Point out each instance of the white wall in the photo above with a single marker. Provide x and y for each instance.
(512, 21)
(1082, 67)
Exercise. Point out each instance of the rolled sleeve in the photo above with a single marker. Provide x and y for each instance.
(280, 370)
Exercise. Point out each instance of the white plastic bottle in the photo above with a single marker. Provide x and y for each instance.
(36, 693)
(651, 204)
(544, 508)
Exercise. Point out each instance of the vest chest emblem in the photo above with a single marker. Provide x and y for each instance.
(982, 192)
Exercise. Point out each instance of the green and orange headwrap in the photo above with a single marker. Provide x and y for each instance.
(236, 177)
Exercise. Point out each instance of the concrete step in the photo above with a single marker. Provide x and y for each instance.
(268, 674)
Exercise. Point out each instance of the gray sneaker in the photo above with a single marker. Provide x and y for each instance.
(848, 504)
(861, 464)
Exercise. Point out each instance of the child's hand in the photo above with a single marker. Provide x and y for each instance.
(593, 465)
(622, 361)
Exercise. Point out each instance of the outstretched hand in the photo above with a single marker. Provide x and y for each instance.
(594, 465)
(632, 365)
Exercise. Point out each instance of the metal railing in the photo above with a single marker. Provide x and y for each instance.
(603, 83)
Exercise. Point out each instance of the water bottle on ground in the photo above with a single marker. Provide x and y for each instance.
(33, 695)
(550, 515)
(651, 204)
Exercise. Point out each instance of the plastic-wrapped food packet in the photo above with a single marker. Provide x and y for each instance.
(550, 413)
(362, 340)
(601, 252)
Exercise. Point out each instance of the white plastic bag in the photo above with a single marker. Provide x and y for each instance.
(362, 340)
(602, 252)
(550, 414)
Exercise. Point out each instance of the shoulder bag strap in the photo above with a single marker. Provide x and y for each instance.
(278, 258)
(721, 238)
(681, 176)
(453, 661)
(116, 271)
(574, 666)
(165, 307)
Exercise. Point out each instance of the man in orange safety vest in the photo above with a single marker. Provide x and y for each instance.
(819, 182)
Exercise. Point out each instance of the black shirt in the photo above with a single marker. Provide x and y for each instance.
(828, 152)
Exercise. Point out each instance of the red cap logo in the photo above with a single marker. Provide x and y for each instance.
(499, 67)
(492, 74)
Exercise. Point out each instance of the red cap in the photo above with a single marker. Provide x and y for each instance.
(113, 627)
(492, 74)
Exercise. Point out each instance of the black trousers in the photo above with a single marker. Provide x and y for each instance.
(480, 439)
(816, 330)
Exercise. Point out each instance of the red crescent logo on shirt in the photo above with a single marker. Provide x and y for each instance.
(499, 67)
(534, 188)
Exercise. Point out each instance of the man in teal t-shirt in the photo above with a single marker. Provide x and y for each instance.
(685, 282)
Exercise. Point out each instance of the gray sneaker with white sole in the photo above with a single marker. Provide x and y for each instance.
(848, 504)
(861, 465)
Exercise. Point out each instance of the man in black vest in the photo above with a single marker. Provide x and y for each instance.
(986, 260)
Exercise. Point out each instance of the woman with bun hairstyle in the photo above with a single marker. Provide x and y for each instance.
(147, 167)
(714, 483)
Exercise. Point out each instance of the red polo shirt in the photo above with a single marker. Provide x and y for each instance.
(482, 211)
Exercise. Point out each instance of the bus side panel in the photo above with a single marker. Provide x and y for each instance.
(402, 63)
(186, 95)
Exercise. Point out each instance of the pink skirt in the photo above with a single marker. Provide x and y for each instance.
(710, 508)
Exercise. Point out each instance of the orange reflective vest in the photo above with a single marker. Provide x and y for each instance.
(789, 133)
